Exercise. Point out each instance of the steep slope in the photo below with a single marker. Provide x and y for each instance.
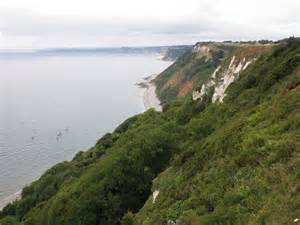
(193, 70)
(189, 70)
(241, 163)
(96, 187)
(229, 70)
(232, 161)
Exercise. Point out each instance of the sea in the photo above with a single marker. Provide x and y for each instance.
(54, 105)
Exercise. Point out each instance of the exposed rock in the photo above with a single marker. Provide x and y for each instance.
(177, 222)
(222, 77)
(202, 51)
(228, 71)
(227, 76)
(154, 195)
(213, 76)
(205, 87)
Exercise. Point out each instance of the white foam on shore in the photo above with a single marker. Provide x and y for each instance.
(10, 199)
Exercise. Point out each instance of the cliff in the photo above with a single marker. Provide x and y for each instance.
(174, 52)
(230, 69)
(207, 65)
(230, 156)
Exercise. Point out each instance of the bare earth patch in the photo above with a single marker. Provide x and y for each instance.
(173, 81)
(186, 88)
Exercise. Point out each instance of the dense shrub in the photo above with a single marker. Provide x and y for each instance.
(230, 163)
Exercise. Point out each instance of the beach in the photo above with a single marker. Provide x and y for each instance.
(150, 98)
(9, 199)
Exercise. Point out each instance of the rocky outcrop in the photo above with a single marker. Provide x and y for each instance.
(203, 51)
(228, 71)
(154, 195)
(228, 76)
(190, 70)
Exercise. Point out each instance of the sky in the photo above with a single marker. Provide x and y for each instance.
(32, 24)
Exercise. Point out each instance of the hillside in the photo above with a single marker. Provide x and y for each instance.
(194, 69)
(229, 154)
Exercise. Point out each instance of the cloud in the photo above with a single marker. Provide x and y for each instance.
(67, 23)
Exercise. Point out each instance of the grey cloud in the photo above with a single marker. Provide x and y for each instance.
(40, 30)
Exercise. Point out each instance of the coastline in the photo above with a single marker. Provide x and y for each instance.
(150, 99)
(9, 199)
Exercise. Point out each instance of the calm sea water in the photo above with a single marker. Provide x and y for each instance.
(53, 106)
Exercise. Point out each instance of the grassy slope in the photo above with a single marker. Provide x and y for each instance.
(241, 163)
(231, 163)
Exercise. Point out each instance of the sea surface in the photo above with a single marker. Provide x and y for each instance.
(52, 106)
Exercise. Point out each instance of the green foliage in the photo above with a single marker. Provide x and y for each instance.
(238, 165)
(9, 220)
(128, 219)
(231, 163)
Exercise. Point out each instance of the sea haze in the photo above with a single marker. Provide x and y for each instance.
(52, 106)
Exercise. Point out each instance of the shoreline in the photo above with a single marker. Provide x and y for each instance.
(150, 99)
(10, 199)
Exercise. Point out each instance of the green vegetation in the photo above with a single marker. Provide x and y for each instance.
(236, 162)
(241, 162)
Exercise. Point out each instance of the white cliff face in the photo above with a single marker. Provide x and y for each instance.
(205, 87)
(202, 51)
(222, 77)
(228, 76)
(198, 94)
(213, 76)
(247, 64)
(154, 196)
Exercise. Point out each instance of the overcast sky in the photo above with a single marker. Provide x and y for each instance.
(113, 23)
